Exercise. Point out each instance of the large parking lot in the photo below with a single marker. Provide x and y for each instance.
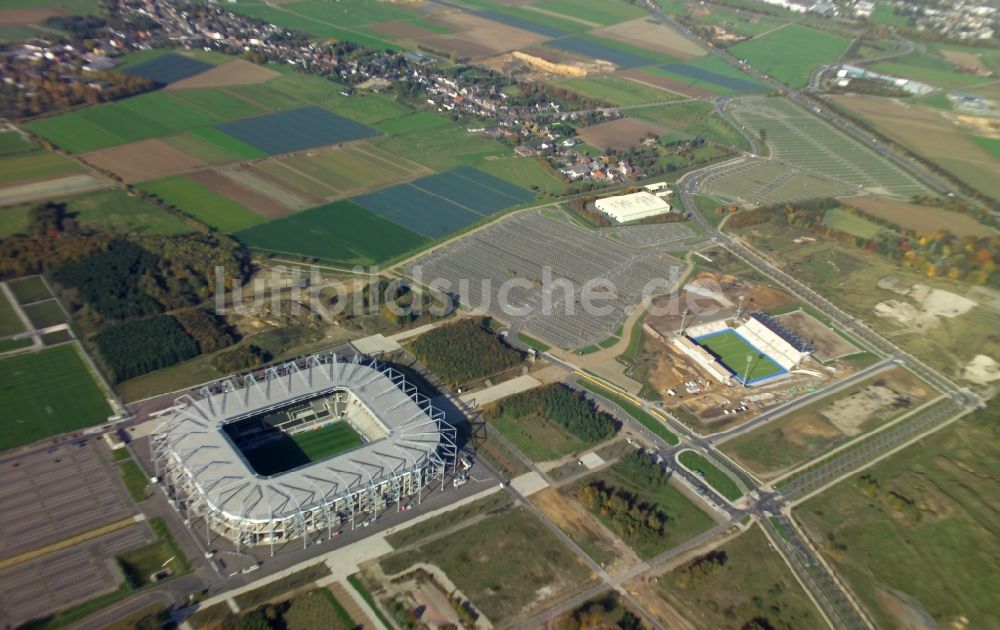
(51, 494)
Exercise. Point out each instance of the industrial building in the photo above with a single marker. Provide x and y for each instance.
(633, 207)
(202, 452)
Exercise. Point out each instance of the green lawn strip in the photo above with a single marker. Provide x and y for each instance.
(10, 323)
(45, 313)
(714, 477)
(7, 345)
(134, 478)
(367, 596)
(642, 417)
(29, 290)
(533, 343)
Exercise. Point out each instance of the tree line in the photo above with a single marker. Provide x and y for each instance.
(465, 351)
(567, 407)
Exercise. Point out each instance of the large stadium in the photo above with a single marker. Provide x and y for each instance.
(300, 450)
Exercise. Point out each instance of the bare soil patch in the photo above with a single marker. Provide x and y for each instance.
(253, 200)
(236, 72)
(401, 29)
(968, 60)
(923, 219)
(582, 526)
(143, 160)
(666, 83)
(829, 345)
(652, 35)
(619, 134)
(16, 17)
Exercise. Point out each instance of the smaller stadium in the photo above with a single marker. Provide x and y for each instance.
(754, 351)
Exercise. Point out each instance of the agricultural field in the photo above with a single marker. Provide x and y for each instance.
(295, 130)
(849, 223)
(797, 137)
(507, 564)
(931, 135)
(168, 68)
(913, 536)
(619, 53)
(653, 35)
(324, 20)
(10, 323)
(340, 232)
(29, 290)
(922, 219)
(438, 205)
(212, 146)
(741, 584)
(692, 119)
(425, 138)
(619, 134)
(740, 22)
(47, 393)
(45, 313)
(594, 11)
(207, 206)
(617, 90)
(789, 54)
(928, 68)
(710, 74)
(12, 142)
(33, 165)
(527, 173)
(808, 432)
(109, 211)
(733, 350)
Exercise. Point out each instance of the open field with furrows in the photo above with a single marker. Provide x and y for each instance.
(110, 210)
(477, 35)
(650, 34)
(47, 393)
(922, 219)
(914, 536)
(143, 160)
(741, 583)
(850, 277)
(619, 134)
(420, 139)
(235, 72)
(813, 430)
(797, 137)
(35, 165)
(617, 90)
(790, 53)
(761, 181)
(202, 203)
(931, 135)
(508, 564)
(694, 118)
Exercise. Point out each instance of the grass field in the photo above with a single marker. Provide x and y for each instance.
(445, 146)
(292, 451)
(694, 118)
(203, 204)
(109, 211)
(852, 224)
(711, 73)
(645, 419)
(342, 21)
(733, 350)
(915, 534)
(604, 12)
(13, 142)
(928, 69)
(711, 474)
(749, 586)
(45, 313)
(506, 564)
(617, 90)
(538, 437)
(619, 53)
(789, 54)
(21, 168)
(10, 323)
(47, 393)
(213, 146)
(527, 173)
(337, 232)
(30, 289)
(992, 145)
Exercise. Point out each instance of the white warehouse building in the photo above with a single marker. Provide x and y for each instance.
(626, 208)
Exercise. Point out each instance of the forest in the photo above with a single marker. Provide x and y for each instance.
(464, 351)
(143, 345)
(557, 402)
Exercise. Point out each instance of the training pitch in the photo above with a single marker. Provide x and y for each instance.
(732, 350)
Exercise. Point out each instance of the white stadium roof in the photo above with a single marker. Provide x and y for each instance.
(193, 434)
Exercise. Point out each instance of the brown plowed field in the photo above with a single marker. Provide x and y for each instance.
(236, 72)
(653, 36)
(923, 219)
(260, 204)
(401, 29)
(477, 37)
(666, 83)
(619, 134)
(143, 160)
(27, 16)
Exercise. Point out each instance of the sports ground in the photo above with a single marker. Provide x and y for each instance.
(296, 450)
(732, 351)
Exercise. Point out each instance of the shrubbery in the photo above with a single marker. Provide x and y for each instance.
(559, 403)
(464, 351)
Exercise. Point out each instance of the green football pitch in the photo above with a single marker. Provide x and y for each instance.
(733, 351)
(46, 393)
(297, 450)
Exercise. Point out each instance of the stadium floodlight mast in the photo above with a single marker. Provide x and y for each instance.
(746, 375)
(739, 309)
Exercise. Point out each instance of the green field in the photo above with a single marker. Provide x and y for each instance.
(750, 586)
(708, 471)
(13, 142)
(928, 69)
(28, 290)
(915, 534)
(21, 168)
(47, 393)
(346, 171)
(743, 23)
(617, 90)
(992, 145)
(10, 323)
(538, 437)
(337, 232)
(844, 221)
(203, 204)
(647, 420)
(715, 66)
(604, 12)
(213, 146)
(501, 564)
(790, 53)
(733, 351)
(694, 118)
(445, 147)
(45, 313)
(341, 20)
(292, 451)
(527, 173)
(105, 211)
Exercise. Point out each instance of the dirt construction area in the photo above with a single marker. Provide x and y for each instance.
(652, 35)
(143, 160)
(237, 72)
(619, 134)
(829, 345)
(581, 526)
(922, 219)
(17, 17)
